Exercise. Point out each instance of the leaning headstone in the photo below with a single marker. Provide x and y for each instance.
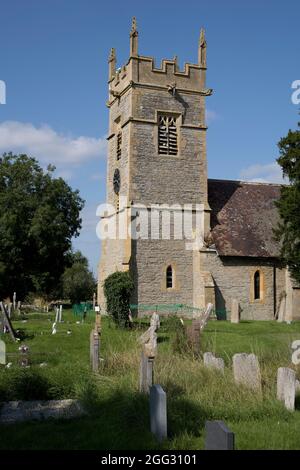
(2, 353)
(246, 371)
(218, 436)
(286, 387)
(235, 311)
(5, 320)
(158, 412)
(213, 362)
(149, 342)
(146, 373)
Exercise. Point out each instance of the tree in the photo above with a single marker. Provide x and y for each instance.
(288, 230)
(118, 288)
(78, 282)
(39, 215)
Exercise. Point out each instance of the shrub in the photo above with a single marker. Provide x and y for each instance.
(118, 288)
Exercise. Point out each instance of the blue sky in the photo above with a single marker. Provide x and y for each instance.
(53, 59)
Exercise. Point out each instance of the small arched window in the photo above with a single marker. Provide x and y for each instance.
(257, 285)
(169, 277)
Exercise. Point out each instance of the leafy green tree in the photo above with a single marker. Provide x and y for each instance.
(78, 282)
(118, 288)
(288, 230)
(39, 215)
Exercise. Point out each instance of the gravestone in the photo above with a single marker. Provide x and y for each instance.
(155, 322)
(5, 321)
(213, 362)
(56, 315)
(235, 311)
(146, 373)
(158, 412)
(98, 321)
(218, 436)
(2, 353)
(149, 342)
(94, 350)
(286, 387)
(246, 371)
(60, 314)
(14, 300)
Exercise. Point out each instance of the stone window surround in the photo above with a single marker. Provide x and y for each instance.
(176, 286)
(178, 116)
(262, 286)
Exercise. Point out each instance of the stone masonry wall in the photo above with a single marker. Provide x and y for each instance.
(233, 278)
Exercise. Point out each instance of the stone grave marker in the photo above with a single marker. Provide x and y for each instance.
(286, 387)
(213, 362)
(158, 412)
(146, 373)
(218, 436)
(2, 353)
(94, 350)
(235, 311)
(246, 371)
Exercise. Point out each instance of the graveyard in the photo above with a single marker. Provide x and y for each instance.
(116, 413)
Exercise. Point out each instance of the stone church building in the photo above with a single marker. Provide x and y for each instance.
(157, 157)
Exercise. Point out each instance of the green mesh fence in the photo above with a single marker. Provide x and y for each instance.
(79, 309)
(177, 309)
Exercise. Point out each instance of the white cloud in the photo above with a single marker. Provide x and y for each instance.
(269, 173)
(211, 115)
(48, 146)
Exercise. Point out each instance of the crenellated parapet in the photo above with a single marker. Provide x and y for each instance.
(141, 71)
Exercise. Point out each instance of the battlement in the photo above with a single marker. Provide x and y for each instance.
(141, 71)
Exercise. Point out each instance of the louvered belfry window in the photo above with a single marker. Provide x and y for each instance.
(167, 135)
(119, 145)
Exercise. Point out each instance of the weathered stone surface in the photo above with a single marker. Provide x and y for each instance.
(18, 411)
(213, 362)
(158, 412)
(218, 436)
(2, 352)
(235, 311)
(149, 342)
(94, 349)
(146, 373)
(286, 387)
(155, 322)
(246, 371)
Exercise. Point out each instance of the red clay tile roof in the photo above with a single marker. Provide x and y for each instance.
(242, 218)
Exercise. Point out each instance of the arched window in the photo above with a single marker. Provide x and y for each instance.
(169, 277)
(257, 289)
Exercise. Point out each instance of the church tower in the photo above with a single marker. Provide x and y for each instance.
(156, 161)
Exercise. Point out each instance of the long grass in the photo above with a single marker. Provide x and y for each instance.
(118, 414)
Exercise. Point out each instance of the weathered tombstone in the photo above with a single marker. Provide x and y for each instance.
(213, 362)
(94, 350)
(155, 322)
(146, 373)
(14, 300)
(5, 320)
(286, 387)
(2, 352)
(158, 412)
(60, 313)
(56, 314)
(235, 311)
(98, 321)
(149, 342)
(218, 436)
(246, 371)
(54, 328)
(19, 307)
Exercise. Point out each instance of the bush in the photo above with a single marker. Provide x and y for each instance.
(118, 288)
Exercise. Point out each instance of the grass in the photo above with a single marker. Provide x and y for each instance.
(119, 416)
